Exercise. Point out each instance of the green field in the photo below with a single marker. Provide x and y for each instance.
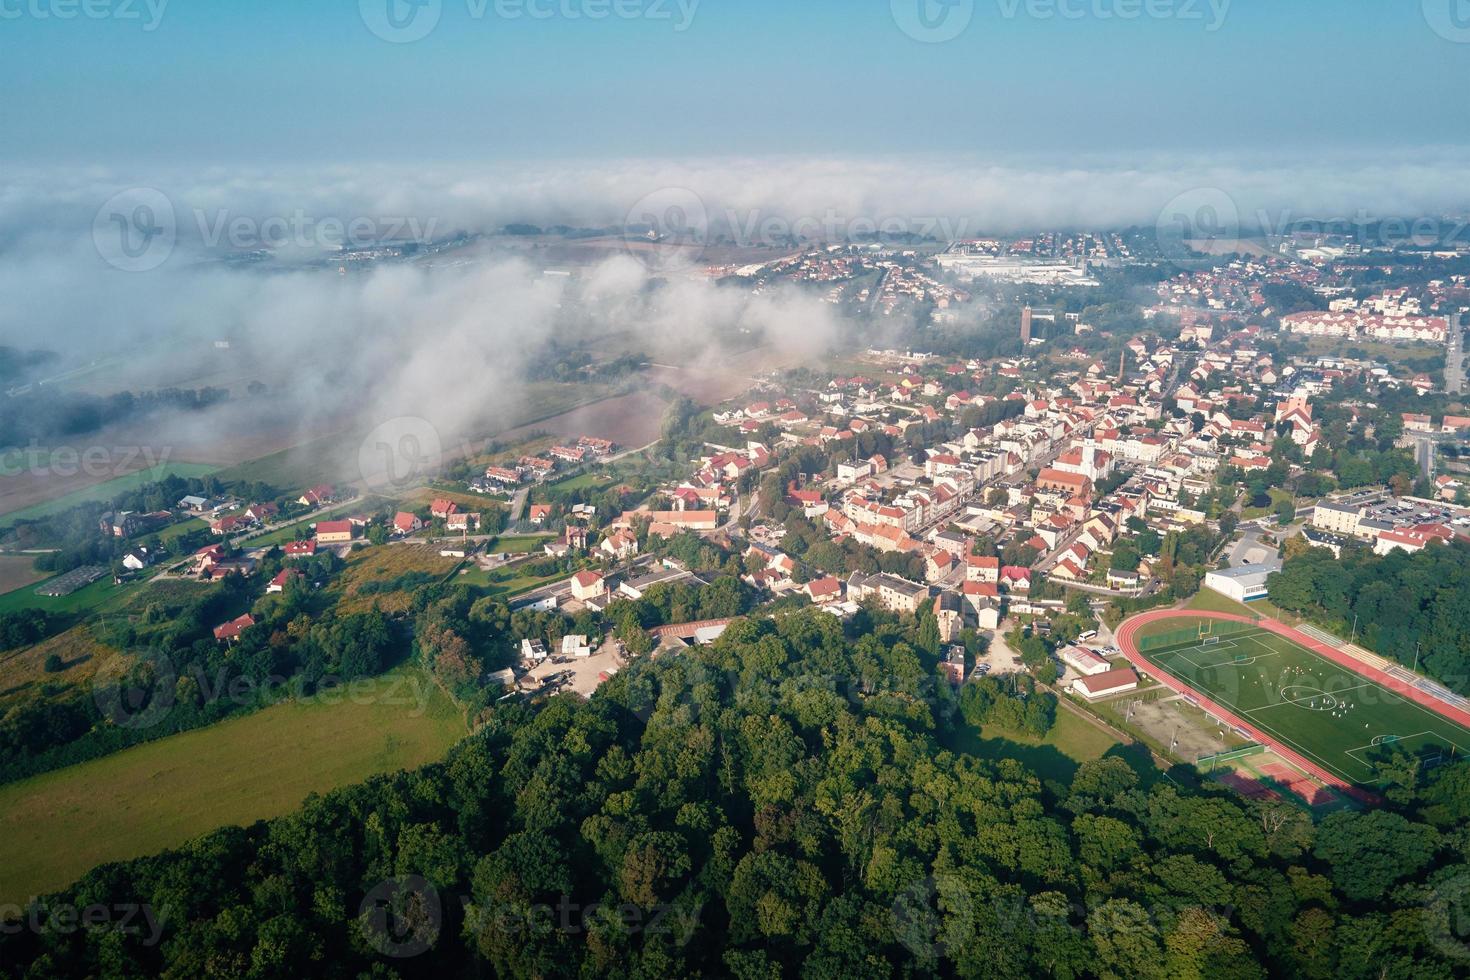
(521, 545)
(1330, 715)
(108, 490)
(1072, 741)
(55, 827)
(82, 600)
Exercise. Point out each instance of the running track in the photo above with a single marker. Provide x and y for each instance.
(1127, 633)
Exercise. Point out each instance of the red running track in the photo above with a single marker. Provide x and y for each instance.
(1126, 633)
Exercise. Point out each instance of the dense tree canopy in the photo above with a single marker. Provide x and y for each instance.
(783, 803)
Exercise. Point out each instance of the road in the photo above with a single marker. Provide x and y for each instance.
(1454, 370)
(518, 504)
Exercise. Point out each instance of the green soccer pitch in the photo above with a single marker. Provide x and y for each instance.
(1329, 715)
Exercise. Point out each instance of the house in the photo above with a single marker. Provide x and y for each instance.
(499, 474)
(260, 513)
(441, 509)
(462, 520)
(533, 651)
(540, 514)
(227, 525)
(1104, 684)
(1016, 578)
(405, 523)
(332, 532)
(137, 559)
(303, 549)
(954, 665)
(621, 543)
(824, 590)
(230, 632)
(938, 565)
(588, 585)
(278, 584)
(572, 454)
(318, 495)
(979, 569)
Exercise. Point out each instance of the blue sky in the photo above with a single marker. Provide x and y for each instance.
(305, 80)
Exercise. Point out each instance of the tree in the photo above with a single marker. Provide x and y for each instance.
(1370, 851)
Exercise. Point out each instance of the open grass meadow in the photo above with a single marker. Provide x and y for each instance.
(1337, 718)
(371, 572)
(1072, 741)
(107, 490)
(55, 827)
(23, 671)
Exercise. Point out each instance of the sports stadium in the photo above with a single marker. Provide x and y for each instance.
(1316, 705)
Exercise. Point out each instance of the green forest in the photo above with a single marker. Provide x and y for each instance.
(780, 804)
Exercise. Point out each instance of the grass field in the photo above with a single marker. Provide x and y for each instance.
(22, 671)
(1328, 714)
(82, 600)
(1072, 741)
(520, 544)
(385, 563)
(1208, 600)
(55, 827)
(507, 583)
(108, 490)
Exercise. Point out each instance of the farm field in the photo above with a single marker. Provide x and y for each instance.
(82, 600)
(55, 827)
(630, 421)
(18, 571)
(104, 491)
(1332, 716)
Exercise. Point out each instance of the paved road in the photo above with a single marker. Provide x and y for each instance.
(1454, 372)
(518, 504)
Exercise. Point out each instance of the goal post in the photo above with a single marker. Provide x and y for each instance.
(1209, 641)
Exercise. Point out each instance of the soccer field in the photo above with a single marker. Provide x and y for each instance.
(1328, 714)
